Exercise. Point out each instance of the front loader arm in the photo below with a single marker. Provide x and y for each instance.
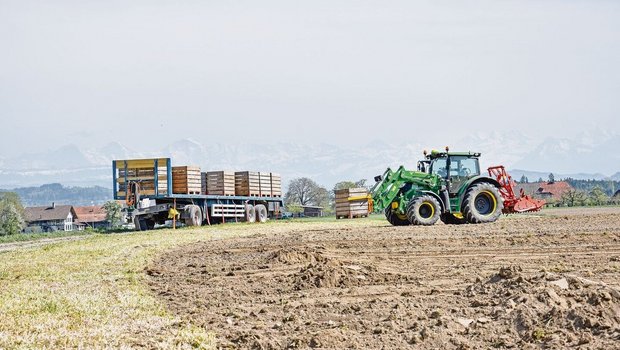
(388, 188)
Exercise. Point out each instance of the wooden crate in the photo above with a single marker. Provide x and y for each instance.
(265, 184)
(247, 183)
(351, 203)
(220, 183)
(142, 172)
(186, 180)
(276, 185)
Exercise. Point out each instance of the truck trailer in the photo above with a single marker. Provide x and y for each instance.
(146, 186)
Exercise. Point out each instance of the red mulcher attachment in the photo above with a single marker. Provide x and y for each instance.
(512, 204)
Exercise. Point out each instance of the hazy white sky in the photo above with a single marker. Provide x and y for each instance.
(143, 71)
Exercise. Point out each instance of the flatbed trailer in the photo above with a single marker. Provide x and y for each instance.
(155, 203)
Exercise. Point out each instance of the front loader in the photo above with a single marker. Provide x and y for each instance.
(447, 186)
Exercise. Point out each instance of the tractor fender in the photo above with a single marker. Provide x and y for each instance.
(437, 197)
(476, 180)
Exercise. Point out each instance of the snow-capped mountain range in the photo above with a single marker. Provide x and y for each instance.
(593, 154)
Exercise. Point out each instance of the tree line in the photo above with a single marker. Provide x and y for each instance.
(13, 220)
(306, 192)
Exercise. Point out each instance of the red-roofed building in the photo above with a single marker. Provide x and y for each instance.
(91, 216)
(550, 191)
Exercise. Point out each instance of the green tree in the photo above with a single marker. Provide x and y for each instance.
(598, 197)
(523, 179)
(573, 197)
(551, 178)
(11, 214)
(304, 191)
(114, 213)
(344, 185)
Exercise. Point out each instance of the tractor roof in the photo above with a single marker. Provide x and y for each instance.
(437, 154)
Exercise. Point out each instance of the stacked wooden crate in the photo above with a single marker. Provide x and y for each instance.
(276, 185)
(221, 183)
(186, 180)
(142, 171)
(351, 203)
(247, 183)
(265, 184)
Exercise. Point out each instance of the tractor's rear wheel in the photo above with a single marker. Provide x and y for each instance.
(451, 219)
(423, 210)
(396, 219)
(482, 204)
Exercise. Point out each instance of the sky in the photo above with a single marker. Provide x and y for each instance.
(147, 72)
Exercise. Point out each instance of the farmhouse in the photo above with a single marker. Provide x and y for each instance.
(551, 191)
(50, 218)
(91, 216)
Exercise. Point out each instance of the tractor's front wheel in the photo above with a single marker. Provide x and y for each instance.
(396, 219)
(482, 204)
(423, 210)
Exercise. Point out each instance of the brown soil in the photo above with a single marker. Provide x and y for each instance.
(523, 282)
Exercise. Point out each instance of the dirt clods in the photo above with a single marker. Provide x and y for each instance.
(450, 287)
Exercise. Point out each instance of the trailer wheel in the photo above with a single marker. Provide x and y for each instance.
(250, 213)
(261, 213)
(194, 215)
(139, 224)
(149, 223)
(423, 210)
(482, 204)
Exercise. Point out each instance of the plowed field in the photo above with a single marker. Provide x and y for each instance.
(528, 281)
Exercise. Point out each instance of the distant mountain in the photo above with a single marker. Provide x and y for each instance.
(533, 176)
(587, 156)
(587, 153)
(59, 194)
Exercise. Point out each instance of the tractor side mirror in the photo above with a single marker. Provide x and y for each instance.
(378, 178)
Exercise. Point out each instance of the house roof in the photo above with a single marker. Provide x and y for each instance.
(555, 189)
(48, 213)
(311, 207)
(93, 213)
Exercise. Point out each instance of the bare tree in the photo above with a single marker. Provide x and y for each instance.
(304, 191)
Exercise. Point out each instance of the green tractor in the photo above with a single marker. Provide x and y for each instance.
(447, 186)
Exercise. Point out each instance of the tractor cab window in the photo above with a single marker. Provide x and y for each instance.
(438, 167)
(461, 166)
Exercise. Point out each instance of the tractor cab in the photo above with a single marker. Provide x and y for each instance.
(455, 168)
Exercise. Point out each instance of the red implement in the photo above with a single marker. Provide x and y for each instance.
(512, 203)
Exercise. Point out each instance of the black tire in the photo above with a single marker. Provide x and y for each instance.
(482, 204)
(193, 215)
(139, 224)
(395, 219)
(423, 210)
(261, 213)
(450, 219)
(250, 213)
(149, 224)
